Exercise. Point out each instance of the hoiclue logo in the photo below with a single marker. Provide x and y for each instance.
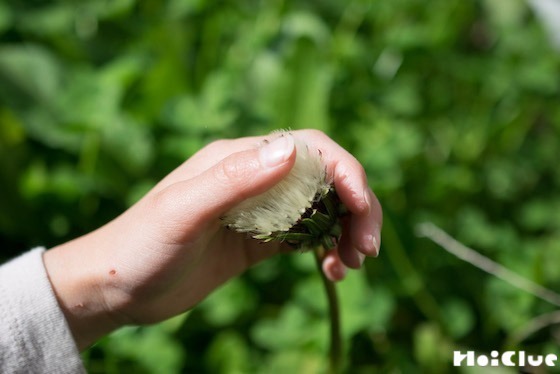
(508, 358)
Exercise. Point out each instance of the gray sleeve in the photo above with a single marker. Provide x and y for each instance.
(34, 335)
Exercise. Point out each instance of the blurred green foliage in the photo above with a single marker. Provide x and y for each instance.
(451, 106)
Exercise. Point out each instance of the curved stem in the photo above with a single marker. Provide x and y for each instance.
(335, 350)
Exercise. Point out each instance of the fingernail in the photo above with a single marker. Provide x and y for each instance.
(361, 258)
(277, 151)
(376, 240)
(375, 247)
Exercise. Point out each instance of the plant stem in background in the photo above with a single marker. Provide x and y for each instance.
(458, 249)
(335, 349)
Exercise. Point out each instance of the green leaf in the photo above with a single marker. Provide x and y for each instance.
(228, 354)
(151, 347)
(228, 303)
(293, 328)
(363, 307)
(32, 70)
(459, 318)
(6, 17)
(431, 349)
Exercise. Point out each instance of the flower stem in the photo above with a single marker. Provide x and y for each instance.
(335, 350)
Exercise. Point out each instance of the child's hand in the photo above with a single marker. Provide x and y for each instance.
(168, 251)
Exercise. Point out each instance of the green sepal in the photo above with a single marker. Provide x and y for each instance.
(319, 225)
(323, 221)
(314, 228)
(328, 242)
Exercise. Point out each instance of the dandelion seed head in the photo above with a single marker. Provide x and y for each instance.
(279, 208)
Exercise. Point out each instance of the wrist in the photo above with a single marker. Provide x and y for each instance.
(79, 291)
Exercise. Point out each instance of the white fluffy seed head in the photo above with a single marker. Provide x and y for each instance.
(279, 208)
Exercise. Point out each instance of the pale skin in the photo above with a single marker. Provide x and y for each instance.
(168, 251)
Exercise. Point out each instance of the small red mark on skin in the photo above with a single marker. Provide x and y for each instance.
(113, 272)
(80, 305)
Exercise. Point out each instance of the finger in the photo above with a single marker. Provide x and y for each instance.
(349, 256)
(362, 233)
(333, 267)
(207, 157)
(365, 230)
(229, 182)
(343, 169)
(217, 150)
(352, 187)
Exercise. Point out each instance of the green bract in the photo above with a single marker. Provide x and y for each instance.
(319, 225)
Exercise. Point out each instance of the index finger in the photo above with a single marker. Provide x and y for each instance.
(351, 185)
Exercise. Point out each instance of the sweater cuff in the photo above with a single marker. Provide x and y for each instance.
(34, 335)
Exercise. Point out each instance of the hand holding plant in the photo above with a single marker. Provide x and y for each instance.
(169, 250)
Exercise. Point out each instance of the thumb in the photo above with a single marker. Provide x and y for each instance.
(239, 176)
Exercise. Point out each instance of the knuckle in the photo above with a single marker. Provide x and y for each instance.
(168, 209)
(163, 201)
(232, 172)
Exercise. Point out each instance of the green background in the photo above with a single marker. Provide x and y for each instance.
(451, 106)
